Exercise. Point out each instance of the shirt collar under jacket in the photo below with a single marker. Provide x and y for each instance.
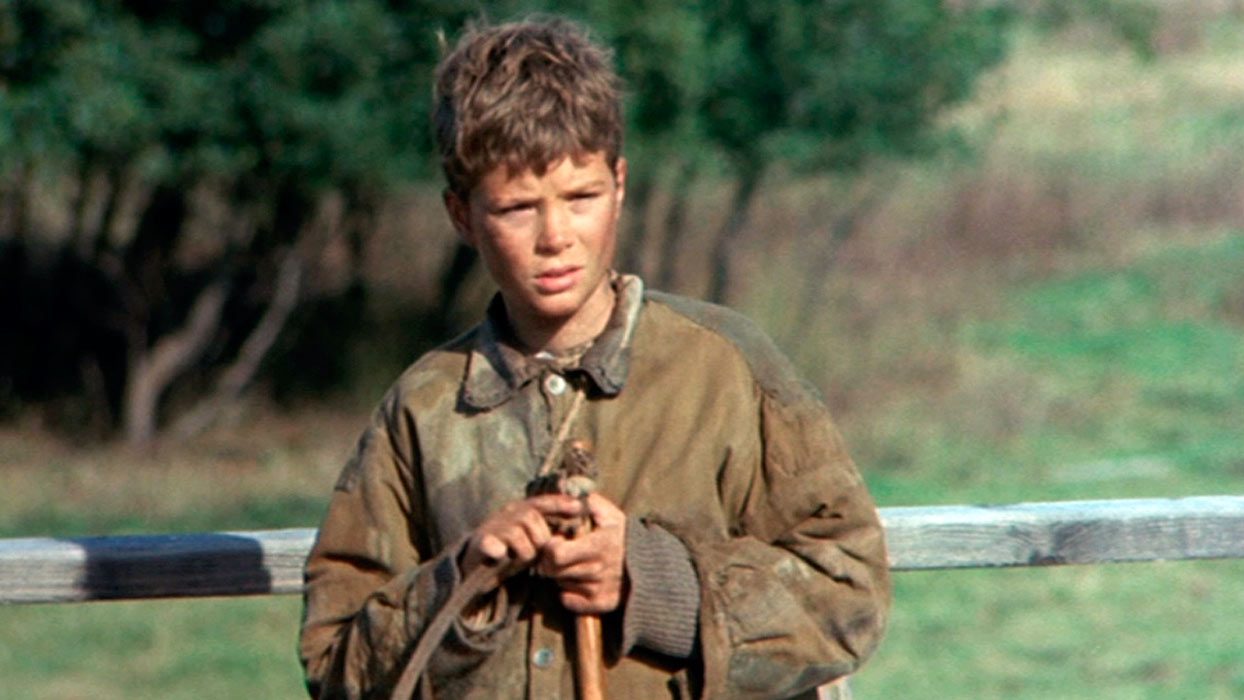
(496, 368)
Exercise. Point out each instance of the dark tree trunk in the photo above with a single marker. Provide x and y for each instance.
(234, 380)
(453, 280)
(116, 191)
(151, 370)
(824, 255)
(638, 198)
(156, 354)
(675, 222)
(78, 209)
(721, 281)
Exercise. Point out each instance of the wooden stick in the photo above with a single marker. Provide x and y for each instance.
(589, 647)
(589, 650)
(589, 659)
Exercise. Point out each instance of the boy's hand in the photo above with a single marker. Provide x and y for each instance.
(515, 535)
(589, 568)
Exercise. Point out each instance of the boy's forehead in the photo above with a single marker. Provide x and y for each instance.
(568, 169)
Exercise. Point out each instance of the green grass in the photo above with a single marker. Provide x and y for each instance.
(1124, 380)
(210, 648)
(254, 512)
(1104, 382)
(1121, 631)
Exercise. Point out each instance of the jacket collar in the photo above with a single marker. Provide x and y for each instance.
(496, 368)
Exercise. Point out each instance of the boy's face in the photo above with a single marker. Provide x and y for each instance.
(548, 240)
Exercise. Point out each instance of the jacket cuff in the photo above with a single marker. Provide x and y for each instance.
(663, 604)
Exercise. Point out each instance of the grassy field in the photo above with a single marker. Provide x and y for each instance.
(1060, 316)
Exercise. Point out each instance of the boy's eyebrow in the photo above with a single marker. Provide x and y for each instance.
(509, 201)
(505, 201)
(593, 183)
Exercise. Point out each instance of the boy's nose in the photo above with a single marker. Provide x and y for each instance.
(555, 231)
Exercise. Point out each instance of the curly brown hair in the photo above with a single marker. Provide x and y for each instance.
(525, 95)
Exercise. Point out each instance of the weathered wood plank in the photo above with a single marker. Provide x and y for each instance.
(44, 570)
(1070, 532)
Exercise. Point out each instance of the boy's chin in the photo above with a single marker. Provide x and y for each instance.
(558, 308)
(555, 314)
(560, 304)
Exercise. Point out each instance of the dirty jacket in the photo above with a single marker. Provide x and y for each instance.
(700, 429)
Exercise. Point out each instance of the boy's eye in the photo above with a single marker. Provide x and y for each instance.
(514, 208)
(583, 197)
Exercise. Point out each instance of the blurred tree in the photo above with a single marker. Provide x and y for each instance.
(204, 143)
(169, 172)
(819, 85)
(811, 85)
(1133, 22)
(659, 51)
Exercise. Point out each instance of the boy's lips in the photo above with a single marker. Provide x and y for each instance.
(558, 279)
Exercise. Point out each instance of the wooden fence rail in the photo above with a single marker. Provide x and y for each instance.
(47, 570)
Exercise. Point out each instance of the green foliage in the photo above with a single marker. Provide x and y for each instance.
(660, 50)
(305, 90)
(829, 85)
(814, 84)
(326, 91)
(274, 105)
(268, 105)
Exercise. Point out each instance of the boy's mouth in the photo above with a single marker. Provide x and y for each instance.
(558, 279)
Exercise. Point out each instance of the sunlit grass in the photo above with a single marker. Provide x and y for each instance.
(1100, 108)
(1114, 631)
(261, 470)
(210, 648)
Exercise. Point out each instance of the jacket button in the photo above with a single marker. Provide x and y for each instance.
(555, 383)
(542, 657)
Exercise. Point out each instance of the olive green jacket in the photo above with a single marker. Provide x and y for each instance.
(700, 429)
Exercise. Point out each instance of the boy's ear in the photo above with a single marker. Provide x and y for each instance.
(619, 177)
(459, 211)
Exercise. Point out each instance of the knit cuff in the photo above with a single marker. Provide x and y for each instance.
(663, 606)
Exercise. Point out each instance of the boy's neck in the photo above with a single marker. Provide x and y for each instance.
(537, 334)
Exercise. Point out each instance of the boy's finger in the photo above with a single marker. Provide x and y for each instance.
(603, 511)
(536, 527)
(589, 599)
(530, 535)
(577, 573)
(521, 547)
(576, 602)
(492, 548)
(556, 504)
(560, 552)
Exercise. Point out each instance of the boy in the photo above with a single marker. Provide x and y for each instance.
(734, 550)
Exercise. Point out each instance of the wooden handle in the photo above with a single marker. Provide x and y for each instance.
(589, 661)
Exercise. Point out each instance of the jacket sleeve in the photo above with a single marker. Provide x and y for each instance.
(370, 584)
(799, 594)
